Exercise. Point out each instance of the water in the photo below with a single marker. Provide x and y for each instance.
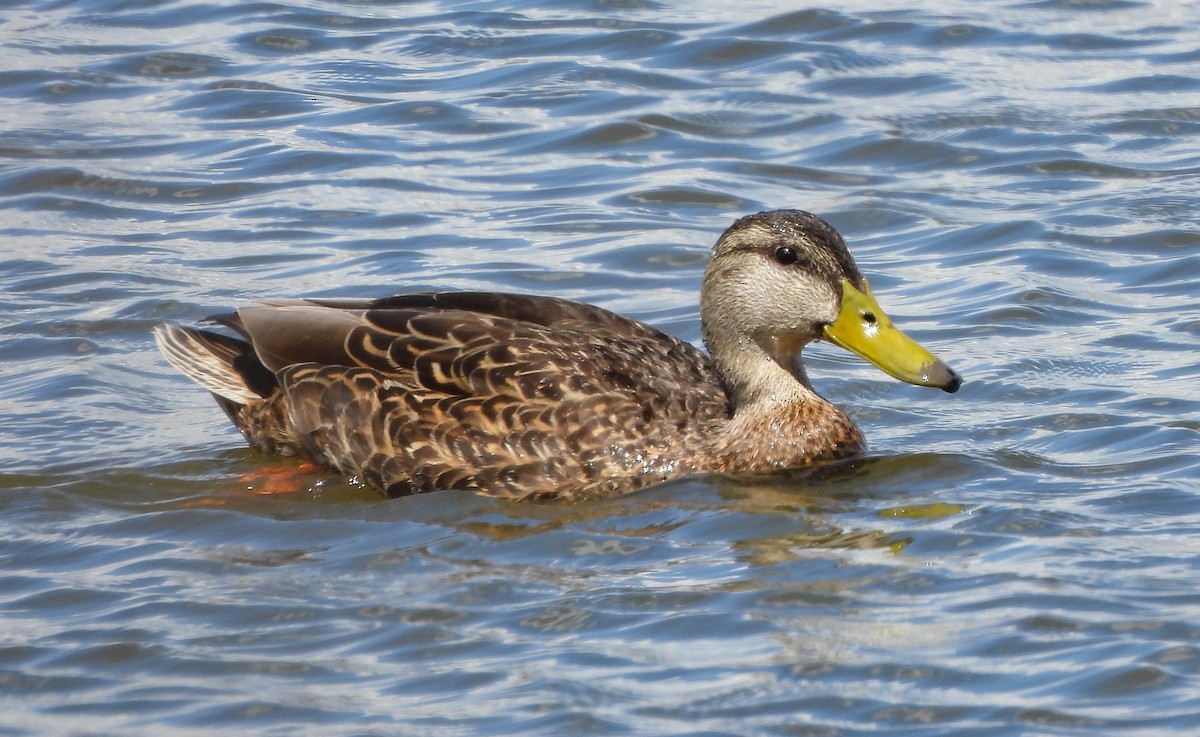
(1017, 179)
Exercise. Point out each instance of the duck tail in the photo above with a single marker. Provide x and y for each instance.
(227, 367)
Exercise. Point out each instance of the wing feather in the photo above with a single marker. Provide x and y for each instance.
(505, 394)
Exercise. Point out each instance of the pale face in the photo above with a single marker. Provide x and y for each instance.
(775, 278)
(752, 292)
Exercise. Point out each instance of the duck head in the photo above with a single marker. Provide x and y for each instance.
(781, 279)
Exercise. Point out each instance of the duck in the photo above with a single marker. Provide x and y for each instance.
(528, 397)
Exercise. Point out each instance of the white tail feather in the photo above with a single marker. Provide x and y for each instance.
(208, 363)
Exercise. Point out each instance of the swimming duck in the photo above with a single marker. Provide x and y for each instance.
(518, 396)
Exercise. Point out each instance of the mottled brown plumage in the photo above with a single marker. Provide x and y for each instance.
(522, 397)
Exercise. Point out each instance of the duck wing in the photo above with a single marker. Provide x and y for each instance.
(511, 395)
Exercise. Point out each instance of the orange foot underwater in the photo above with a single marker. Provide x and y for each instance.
(294, 478)
(274, 480)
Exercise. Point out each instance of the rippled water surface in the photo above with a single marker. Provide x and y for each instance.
(1018, 179)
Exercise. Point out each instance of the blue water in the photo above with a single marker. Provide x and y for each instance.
(1018, 180)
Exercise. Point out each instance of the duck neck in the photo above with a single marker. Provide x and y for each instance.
(760, 371)
(778, 419)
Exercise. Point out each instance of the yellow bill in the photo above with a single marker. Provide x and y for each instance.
(863, 328)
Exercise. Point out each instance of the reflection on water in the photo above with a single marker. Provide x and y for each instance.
(1018, 182)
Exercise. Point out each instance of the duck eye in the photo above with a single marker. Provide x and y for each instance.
(786, 255)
